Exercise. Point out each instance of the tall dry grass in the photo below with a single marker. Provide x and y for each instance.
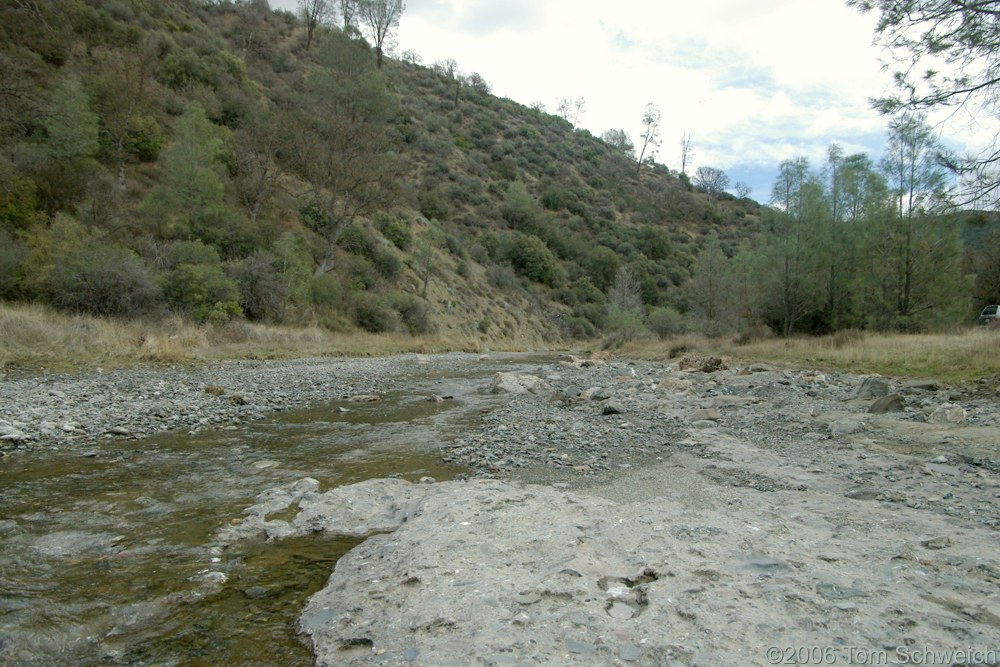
(963, 354)
(34, 336)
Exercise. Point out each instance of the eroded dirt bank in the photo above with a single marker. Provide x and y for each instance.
(647, 515)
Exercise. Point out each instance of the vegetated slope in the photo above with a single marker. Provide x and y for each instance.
(197, 159)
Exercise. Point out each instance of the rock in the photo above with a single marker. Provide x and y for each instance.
(621, 611)
(936, 543)
(517, 383)
(762, 565)
(574, 646)
(612, 407)
(889, 403)
(837, 592)
(862, 494)
(948, 413)
(11, 434)
(630, 652)
(706, 414)
(919, 385)
(841, 427)
(364, 398)
(702, 364)
(118, 430)
(873, 386)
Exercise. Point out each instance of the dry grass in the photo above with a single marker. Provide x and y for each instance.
(961, 355)
(36, 337)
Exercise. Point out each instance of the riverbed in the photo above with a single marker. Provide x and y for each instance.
(107, 538)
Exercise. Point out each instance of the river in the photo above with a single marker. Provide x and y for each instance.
(109, 556)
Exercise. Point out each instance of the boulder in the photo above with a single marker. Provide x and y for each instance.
(703, 364)
(948, 413)
(873, 386)
(517, 383)
(890, 403)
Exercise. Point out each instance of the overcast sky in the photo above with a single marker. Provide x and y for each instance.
(754, 83)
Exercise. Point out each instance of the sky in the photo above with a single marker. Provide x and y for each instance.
(752, 83)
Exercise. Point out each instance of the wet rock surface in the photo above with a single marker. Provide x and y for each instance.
(733, 516)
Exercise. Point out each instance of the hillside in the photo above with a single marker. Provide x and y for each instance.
(196, 159)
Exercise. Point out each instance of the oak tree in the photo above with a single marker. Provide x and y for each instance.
(380, 17)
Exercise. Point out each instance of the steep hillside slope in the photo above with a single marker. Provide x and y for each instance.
(197, 159)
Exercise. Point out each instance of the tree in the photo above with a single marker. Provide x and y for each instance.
(620, 141)
(743, 189)
(70, 123)
(315, 13)
(650, 135)
(579, 107)
(709, 294)
(255, 167)
(687, 152)
(349, 15)
(123, 84)
(381, 17)
(917, 251)
(947, 54)
(625, 307)
(713, 181)
(339, 141)
(786, 264)
(191, 189)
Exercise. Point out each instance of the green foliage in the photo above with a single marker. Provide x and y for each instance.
(190, 194)
(372, 313)
(75, 271)
(601, 265)
(294, 263)
(433, 206)
(532, 259)
(519, 209)
(665, 322)
(18, 199)
(13, 256)
(70, 124)
(195, 283)
(263, 292)
(397, 230)
(579, 327)
(414, 313)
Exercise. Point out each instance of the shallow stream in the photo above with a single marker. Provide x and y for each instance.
(108, 555)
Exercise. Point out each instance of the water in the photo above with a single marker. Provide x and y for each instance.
(110, 559)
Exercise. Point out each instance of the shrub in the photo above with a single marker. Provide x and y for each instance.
(263, 292)
(358, 239)
(665, 322)
(387, 263)
(579, 327)
(190, 252)
(413, 312)
(500, 276)
(373, 314)
(433, 206)
(102, 280)
(532, 259)
(203, 292)
(396, 230)
(13, 254)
